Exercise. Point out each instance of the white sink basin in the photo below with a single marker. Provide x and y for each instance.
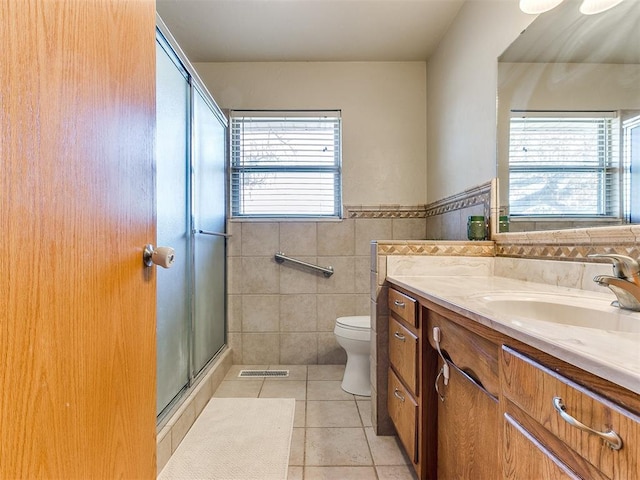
(562, 309)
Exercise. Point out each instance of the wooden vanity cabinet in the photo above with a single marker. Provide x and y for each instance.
(498, 419)
(503, 417)
(407, 395)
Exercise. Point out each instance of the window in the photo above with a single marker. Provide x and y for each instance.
(564, 164)
(285, 164)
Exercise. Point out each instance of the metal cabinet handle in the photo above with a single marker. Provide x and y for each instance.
(612, 439)
(398, 303)
(440, 374)
(396, 393)
(399, 336)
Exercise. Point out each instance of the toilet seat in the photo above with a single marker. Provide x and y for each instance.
(354, 328)
(362, 322)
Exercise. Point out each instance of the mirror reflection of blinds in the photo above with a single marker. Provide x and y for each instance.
(564, 164)
(285, 164)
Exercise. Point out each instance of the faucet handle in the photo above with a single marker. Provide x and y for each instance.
(623, 266)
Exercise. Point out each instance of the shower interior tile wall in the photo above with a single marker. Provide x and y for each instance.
(285, 315)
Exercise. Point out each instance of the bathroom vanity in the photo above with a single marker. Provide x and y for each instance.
(476, 391)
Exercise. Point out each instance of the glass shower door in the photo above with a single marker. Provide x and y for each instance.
(209, 139)
(173, 229)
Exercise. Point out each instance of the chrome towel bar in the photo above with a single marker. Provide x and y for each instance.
(326, 271)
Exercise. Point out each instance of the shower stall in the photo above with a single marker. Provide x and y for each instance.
(190, 216)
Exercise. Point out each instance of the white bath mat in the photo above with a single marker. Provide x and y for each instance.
(236, 439)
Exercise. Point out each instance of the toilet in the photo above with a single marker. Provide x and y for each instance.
(354, 335)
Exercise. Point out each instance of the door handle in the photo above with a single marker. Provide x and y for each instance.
(161, 256)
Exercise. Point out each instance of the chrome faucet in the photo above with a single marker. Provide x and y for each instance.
(625, 283)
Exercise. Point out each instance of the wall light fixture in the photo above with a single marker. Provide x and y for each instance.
(588, 7)
(591, 7)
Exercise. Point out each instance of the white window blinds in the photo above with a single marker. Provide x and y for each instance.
(285, 164)
(564, 164)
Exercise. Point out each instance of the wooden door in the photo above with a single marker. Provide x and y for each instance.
(77, 308)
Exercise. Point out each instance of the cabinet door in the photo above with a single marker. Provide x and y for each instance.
(77, 306)
(468, 430)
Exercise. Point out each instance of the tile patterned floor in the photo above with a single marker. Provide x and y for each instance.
(332, 436)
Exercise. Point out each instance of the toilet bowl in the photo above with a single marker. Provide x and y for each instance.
(354, 335)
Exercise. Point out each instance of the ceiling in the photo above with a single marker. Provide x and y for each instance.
(565, 35)
(308, 30)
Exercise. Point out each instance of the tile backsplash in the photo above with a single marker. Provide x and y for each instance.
(553, 272)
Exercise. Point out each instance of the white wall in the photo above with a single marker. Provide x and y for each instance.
(461, 96)
(383, 111)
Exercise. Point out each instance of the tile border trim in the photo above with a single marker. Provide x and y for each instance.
(437, 248)
(480, 194)
(384, 211)
(563, 252)
(477, 195)
(573, 244)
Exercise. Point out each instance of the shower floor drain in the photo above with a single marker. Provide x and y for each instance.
(264, 373)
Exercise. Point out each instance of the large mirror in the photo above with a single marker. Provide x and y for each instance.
(569, 120)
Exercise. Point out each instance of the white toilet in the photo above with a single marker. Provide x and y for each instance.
(354, 335)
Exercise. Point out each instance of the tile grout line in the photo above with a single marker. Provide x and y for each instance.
(304, 430)
(364, 432)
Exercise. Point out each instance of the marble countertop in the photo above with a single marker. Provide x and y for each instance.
(609, 354)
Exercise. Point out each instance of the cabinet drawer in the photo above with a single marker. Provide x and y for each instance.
(403, 353)
(538, 463)
(403, 306)
(533, 388)
(473, 354)
(403, 411)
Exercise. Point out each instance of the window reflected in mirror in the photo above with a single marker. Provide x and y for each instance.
(566, 164)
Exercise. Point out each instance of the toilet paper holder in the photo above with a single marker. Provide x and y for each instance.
(161, 256)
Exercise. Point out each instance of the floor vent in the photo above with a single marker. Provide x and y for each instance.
(264, 373)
